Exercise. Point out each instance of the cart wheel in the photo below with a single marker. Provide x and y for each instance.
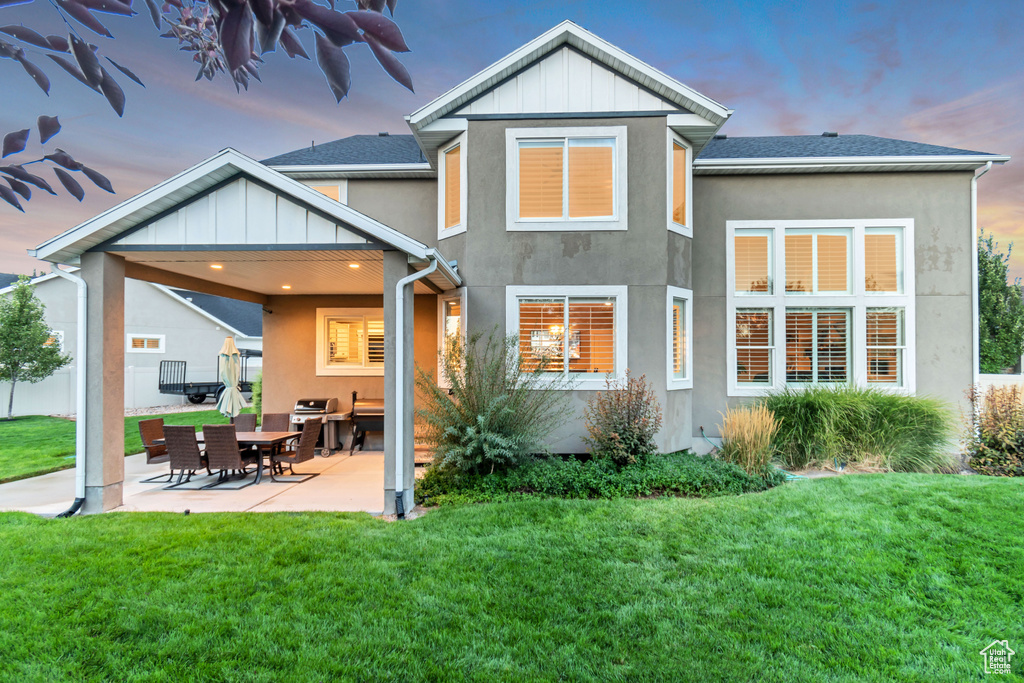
(325, 452)
(196, 398)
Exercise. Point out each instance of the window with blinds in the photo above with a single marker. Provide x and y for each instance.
(817, 346)
(753, 263)
(332, 191)
(453, 187)
(679, 338)
(567, 334)
(678, 184)
(883, 260)
(818, 262)
(142, 343)
(564, 178)
(886, 345)
(755, 346)
(354, 341)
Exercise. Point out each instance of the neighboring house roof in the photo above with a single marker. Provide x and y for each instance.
(242, 316)
(7, 279)
(357, 149)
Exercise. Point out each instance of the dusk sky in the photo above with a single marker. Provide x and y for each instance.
(947, 73)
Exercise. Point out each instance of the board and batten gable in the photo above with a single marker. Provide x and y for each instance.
(939, 205)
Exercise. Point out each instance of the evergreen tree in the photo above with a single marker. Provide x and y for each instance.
(1001, 308)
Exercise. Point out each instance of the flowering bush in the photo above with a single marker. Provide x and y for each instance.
(622, 421)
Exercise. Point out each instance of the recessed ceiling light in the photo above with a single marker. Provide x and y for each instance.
(353, 265)
(286, 286)
(216, 266)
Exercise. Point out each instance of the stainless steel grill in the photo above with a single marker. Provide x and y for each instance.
(305, 408)
(315, 406)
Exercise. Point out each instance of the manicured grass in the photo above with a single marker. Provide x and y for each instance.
(37, 444)
(857, 578)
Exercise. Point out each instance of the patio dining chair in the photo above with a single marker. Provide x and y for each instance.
(184, 454)
(303, 452)
(152, 430)
(278, 422)
(244, 422)
(224, 454)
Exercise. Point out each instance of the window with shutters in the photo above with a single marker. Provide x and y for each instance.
(452, 200)
(566, 178)
(842, 310)
(145, 343)
(577, 331)
(451, 324)
(679, 323)
(680, 177)
(350, 341)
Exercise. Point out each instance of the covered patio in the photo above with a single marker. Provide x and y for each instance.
(350, 305)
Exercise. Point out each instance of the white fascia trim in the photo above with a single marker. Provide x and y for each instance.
(620, 292)
(444, 267)
(566, 32)
(188, 304)
(354, 168)
(37, 280)
(618, 221)
(811, 163)
(674, 138)
(459, 228)
(242, 164)
(672, 382)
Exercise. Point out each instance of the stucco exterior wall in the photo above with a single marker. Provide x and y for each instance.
(409, 205)
(938, 202)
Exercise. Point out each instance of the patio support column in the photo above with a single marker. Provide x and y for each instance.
(396, 266)
(104, 431)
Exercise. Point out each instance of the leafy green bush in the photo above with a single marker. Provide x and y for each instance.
(679, 474)
(257, 395)
(622, 420)
(869, 426)
(497, 412)
(994, 443)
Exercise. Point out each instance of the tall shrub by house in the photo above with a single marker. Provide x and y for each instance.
(994, 443)
(498, 411)
(747, 438)
(623, 420)
(28, 350)
(1001, 313)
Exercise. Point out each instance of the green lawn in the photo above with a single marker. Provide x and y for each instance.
(37, 444)
(875, 577)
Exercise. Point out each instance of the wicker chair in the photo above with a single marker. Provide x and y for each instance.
(278, 422)
(150, 431)
(245, 422)
(183, 452)
(224, 454)
(305, 450)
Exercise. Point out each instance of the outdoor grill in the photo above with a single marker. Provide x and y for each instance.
(306, 408)
(367, 416)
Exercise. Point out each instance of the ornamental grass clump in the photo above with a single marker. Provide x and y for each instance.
(747, 434)
(622, 420)
(994, 442)
(497, 411)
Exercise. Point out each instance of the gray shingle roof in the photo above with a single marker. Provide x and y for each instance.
(7, 279)
(244, 316)
(357, 149)
(794, 146)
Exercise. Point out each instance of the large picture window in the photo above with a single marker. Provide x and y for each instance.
(566, 178)
(841, 312)
(576, 331)
(350, 341)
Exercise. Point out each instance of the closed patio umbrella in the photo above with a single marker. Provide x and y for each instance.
(230, 402)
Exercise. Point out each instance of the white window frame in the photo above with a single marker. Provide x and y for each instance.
(617, 221)
(833, 232)
(686, 295)
(443, 232)
(459, 295)
(815, 312)
(325, 370)
(341, 184)
(900, 349)
(859, 301)
(686, 230)
(616, 292)
(133, 335)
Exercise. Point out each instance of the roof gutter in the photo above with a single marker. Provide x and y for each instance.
(80, 390)
(975, 290)
(351, 168)
(817, 163)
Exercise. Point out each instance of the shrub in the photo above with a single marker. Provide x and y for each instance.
(257, 396)
(747, 434)
(623, 420)
(868, 426)
(497, 413)
(678, 474)
(994, 443)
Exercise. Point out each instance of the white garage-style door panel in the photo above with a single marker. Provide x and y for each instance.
(242, 212)
(566, 81)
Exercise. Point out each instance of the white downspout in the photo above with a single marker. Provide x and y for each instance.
(975, 293)
(81, 391)
(400, 381)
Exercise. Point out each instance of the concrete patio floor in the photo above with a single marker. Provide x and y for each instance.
(346, 484)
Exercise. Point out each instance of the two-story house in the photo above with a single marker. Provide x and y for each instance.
(586, 202)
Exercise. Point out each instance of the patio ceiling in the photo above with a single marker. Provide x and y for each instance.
(268, 272)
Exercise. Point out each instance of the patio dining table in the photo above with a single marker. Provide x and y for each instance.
(265, 442)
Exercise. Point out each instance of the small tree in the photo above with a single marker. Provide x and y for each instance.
(1001, 308)
(28, 352)
(623, 420)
